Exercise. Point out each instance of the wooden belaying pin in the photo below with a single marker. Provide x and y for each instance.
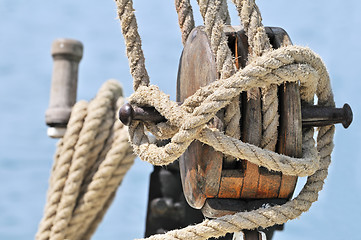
(66, 54)
(312, 116)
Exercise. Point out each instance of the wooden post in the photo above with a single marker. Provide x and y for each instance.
(66, 54)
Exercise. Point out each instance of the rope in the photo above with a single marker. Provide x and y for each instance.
(266, 69)
(94, 155)
(286, 64)
(193, 126)
(215, 15)
(185, 18)
(258, 44)
(226, 18)
(133, 43)
(90, 163)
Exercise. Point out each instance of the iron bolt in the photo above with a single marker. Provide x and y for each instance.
(312, 116)
(317, 116)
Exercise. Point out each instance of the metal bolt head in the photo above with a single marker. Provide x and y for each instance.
(126, 114)
(348, 116)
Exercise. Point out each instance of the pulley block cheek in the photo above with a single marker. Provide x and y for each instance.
(215, 183)
(200, 165)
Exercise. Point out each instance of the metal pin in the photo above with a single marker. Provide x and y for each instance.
(317, 116)
(312, 116)
(128, 113)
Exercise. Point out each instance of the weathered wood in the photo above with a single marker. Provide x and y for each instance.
(251, 132)
(67, 54)
(290, 132)
(232, 175)
(231, 183)
(207, 174)
(200, 165)
(252, 235)
(290, 126)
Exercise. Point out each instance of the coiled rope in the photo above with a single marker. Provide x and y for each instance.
(90, 163)
(266, 69)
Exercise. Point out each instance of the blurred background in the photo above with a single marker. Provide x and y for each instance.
(27, 28)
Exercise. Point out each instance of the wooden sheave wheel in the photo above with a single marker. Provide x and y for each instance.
(212, 182)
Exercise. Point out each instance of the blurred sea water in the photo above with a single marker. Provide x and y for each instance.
(27, 29)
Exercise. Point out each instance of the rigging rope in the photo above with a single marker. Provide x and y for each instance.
(90, 163)
(94, 155)
(267, 68)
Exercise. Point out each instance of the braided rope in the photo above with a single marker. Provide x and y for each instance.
(90, 163)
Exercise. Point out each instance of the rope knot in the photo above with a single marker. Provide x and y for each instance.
(188, 122)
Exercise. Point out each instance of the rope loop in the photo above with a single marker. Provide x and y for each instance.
(266, 69)
(91, 161)
(287, 64)
(94, 154)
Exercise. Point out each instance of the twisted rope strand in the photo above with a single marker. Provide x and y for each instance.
(85, 187)
(95, 147)
(272, 68)
(264, 217)
(133, 43)
(60, 169)
(97, 220)
(259, 44)
(252, 24)
(224, 13)
(95, 197)
(185, 18)
(215, 14)
(90, 143)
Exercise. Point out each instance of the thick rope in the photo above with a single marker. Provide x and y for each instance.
(94, 155)
(251, 21)
(215, 15)
(226, 18)
(188, 122)
(185, 18)
(258, 44)
(266, 217)
(60, 169)
(133, 43)
(285, 64)
(90, 163)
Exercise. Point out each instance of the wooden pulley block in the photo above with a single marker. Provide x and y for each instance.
(212, 182)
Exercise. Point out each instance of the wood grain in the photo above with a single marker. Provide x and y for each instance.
(200, 165)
